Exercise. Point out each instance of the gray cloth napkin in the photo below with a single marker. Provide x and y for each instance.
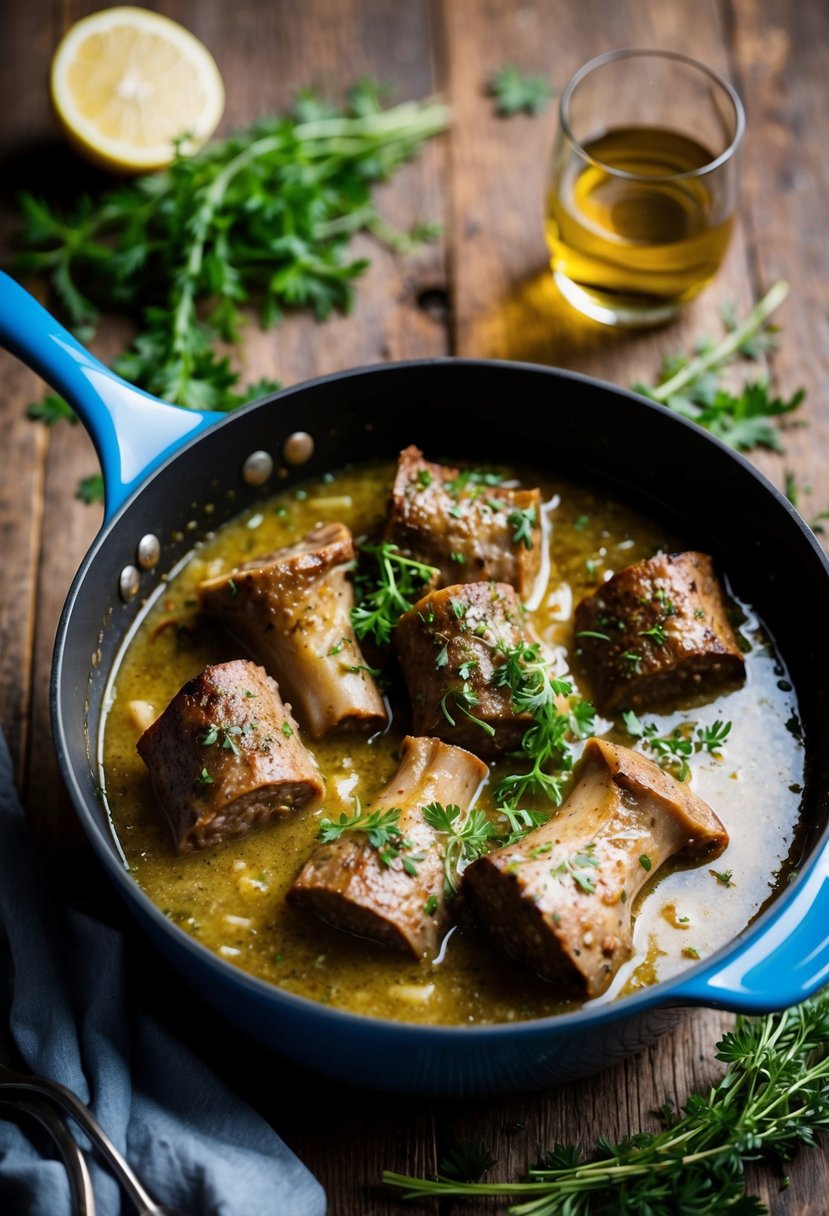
(195, 1145)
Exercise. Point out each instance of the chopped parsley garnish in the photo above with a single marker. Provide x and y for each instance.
(545, 744)
(523, 522)
(656, 633)
(723, 876)
(205, 778)
(287, 729)
(463, 699)
(382, 831)
(226, 736)
(394, 588)
(580, 868)
(467, 838)
(673, 751)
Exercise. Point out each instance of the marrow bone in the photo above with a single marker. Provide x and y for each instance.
(560, 899)
(350, 886)
(292, 610)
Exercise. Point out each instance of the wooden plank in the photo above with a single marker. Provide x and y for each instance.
(24, 445)
(778, 50)
(268, 54)
(779, 66)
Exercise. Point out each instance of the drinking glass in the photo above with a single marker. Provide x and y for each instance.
(643, 191)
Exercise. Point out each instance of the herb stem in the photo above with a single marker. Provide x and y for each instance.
(723, 351)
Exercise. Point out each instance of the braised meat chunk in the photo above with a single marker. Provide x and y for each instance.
(658, 632)
(561, 898)
(450, 646)
(292, 610)
(394, 894)
(226, 757)
(470, 530)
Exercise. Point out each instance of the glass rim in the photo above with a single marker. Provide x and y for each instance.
(631, 53)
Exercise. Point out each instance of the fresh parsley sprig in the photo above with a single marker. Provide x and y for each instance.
(546, 745)
(265, 215)
(383, 832)
(517, 92)
(466, 838)
(395, 585)
(691, 386)
(772, 1100)
(673, 751)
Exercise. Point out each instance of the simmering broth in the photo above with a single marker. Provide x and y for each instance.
(231, 898)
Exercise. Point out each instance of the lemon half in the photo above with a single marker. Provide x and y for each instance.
(126, 83)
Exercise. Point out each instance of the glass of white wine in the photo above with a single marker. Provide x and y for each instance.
(643, 191)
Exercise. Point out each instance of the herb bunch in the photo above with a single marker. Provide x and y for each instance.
(396, 583)
(265, 215)
(692, 386)
(546, 743)
(772, 1100)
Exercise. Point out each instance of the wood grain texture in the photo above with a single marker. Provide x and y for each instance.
(484, 290)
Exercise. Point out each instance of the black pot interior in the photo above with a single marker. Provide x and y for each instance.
(486, 412)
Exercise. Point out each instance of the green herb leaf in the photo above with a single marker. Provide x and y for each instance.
(392, 589)
(382, 832)
(265, 216)
(743, 419)
(514, 92)
(772, 1102)
(91, 489)
(546, 743)
(523, 522)
(467, 838)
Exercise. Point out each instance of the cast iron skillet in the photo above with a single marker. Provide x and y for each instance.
(162, 466)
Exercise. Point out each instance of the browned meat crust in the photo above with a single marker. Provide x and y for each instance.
(225, 757)
(663, 634)
(347, 883)
(292, 610)
(450, 645)
(561, 898)
(470, 532)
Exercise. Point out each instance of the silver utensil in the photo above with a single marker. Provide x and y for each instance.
(13, 1083)
(40, 1110)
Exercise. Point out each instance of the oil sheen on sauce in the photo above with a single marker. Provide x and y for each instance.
(232, 898)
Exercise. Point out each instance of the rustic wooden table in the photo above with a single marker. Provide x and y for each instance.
(482, 290)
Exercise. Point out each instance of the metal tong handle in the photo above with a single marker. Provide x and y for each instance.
(142, 1201)
(77, 1172)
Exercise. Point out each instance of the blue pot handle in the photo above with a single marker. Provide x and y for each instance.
(784, 960)
(132, 431)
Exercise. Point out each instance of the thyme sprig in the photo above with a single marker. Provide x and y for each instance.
(772, 1100)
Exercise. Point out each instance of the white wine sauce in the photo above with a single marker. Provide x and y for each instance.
(232, 898)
